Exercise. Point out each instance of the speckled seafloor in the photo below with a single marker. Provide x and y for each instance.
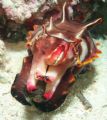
(93, 84)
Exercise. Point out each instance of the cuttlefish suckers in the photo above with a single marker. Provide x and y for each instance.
(57, 52)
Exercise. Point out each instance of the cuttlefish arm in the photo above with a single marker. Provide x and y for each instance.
(19, 85)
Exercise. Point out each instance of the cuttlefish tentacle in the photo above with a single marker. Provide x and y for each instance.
(54, 74)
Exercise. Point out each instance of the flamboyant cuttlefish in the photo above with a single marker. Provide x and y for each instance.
(56, 52)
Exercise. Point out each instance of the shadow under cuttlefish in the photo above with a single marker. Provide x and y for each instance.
(83, 81)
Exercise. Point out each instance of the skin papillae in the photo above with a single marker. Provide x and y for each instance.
(56, 52)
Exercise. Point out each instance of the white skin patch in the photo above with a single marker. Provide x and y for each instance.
(38, 68)
(84, 50)
(61, 36)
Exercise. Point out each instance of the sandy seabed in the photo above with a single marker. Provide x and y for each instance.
(93, 85)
